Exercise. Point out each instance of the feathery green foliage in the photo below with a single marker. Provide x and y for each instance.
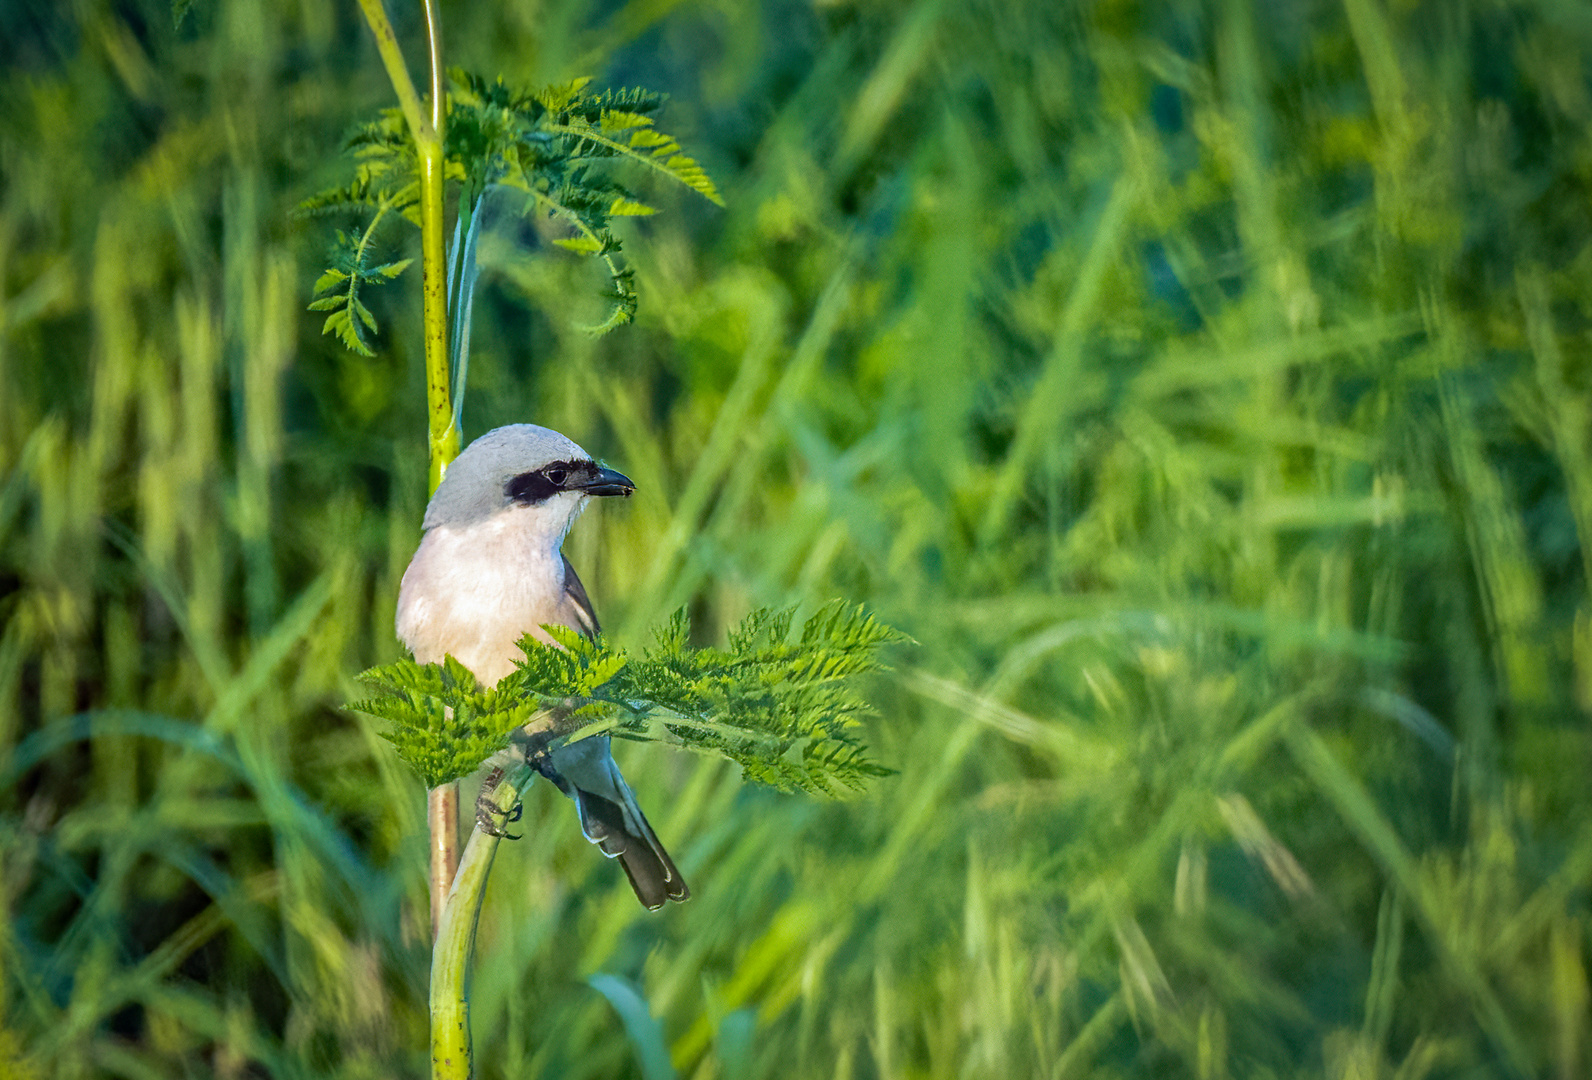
(547, 148)
(444, 724)
(783, 707)
(350, 318)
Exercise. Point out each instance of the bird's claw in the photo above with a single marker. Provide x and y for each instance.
(486, 814)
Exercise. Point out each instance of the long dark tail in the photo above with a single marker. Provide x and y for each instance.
(651, 872)
(621, 831)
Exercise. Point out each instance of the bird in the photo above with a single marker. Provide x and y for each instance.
(490, 569)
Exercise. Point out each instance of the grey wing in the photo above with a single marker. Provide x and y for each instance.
(575, 592)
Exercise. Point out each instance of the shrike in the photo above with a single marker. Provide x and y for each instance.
(489, 570)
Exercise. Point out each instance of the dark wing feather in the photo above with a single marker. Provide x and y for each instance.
(652, 873)
(577, 595)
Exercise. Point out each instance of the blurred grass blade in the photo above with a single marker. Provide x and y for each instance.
(645, 1033)
(1355, 804)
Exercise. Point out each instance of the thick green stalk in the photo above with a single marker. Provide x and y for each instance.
(429, 132)
(434, 264)
(442, 803)
(392, 58)
(450, 955)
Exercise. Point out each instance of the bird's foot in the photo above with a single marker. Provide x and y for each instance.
(487, 811)
(486, 814)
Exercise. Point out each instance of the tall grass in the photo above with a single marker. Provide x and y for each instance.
(1201, 385)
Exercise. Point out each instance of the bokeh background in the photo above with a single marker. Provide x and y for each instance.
(1203, 385)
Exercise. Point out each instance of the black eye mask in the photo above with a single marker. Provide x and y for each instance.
(531, 488)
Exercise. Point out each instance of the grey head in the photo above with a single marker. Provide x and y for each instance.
(519, 465)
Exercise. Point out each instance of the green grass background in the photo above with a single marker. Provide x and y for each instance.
(1203, 385)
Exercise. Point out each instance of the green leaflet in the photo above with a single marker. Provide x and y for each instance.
(337, 290)
(551, 147)
(441, 746)
(782, 705)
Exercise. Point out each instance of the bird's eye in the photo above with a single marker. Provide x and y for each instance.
(556, 476)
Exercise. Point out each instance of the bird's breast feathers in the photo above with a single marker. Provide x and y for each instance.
(472, 592)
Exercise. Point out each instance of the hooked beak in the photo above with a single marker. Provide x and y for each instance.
(608, 482)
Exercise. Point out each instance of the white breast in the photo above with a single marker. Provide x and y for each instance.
(472, 591)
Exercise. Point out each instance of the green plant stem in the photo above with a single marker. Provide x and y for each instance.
(392, 58)
(430, 133)
(450, 955)
(442, 803)
(434, 265)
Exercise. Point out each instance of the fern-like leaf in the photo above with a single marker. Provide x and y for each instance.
(551, 146)
(781, 704)
(337, 289)
(629, 135)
